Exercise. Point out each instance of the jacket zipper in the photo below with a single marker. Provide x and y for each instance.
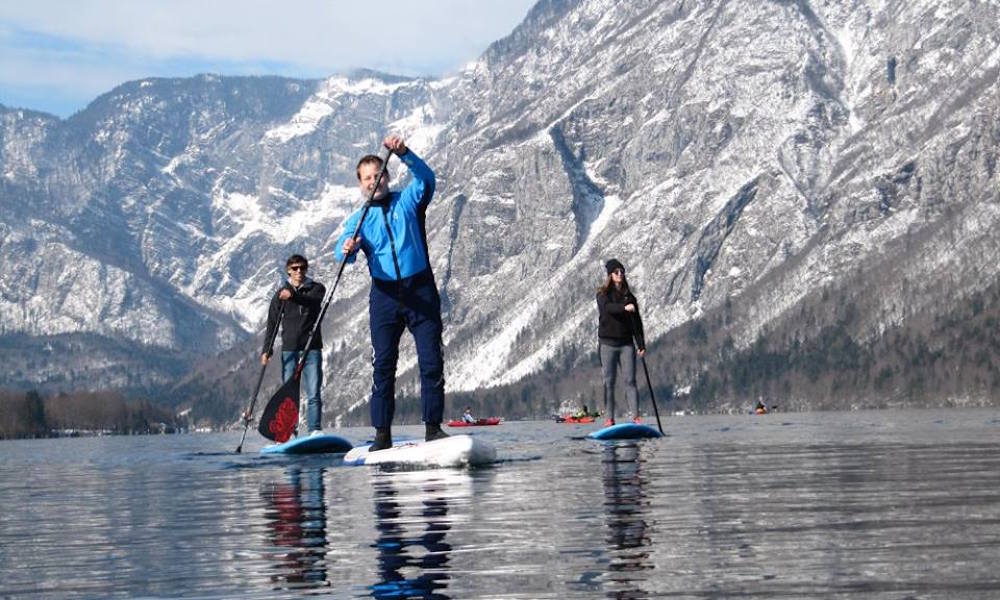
(392, 242)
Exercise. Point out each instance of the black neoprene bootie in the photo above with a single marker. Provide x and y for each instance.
(432, 431)
(383, 439)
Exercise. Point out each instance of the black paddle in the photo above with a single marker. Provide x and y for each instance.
(281, 415)
(652, 397)
(248, 415)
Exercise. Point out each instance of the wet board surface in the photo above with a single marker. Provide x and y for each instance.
(317, 444)
(453, 451)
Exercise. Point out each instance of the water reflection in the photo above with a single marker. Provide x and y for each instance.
(627, 510)
(412, 520)
(296, 520)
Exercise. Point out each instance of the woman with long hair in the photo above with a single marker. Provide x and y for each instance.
(619, 332)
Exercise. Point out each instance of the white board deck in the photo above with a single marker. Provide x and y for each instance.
(452, 451)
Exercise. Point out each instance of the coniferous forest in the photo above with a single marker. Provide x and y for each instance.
(30, 415)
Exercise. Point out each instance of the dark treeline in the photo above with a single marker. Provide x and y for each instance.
(29, 415)
(573, 375)
(945, 360)
(220, 400)
(834, 353)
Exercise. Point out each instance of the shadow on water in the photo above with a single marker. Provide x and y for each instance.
(295, 514)
(627, 514)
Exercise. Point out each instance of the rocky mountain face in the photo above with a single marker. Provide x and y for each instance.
(159, 218)
(768, 172)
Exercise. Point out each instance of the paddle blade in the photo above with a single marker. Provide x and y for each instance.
(281, 415)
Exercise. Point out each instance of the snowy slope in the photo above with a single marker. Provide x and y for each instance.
(732, 155)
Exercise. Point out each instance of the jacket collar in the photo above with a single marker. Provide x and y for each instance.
(307, 282)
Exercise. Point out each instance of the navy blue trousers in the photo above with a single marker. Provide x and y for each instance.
(412, 304)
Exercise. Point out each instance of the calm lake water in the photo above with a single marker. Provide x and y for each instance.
(886, 504)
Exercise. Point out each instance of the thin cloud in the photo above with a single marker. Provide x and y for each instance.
(79, 51)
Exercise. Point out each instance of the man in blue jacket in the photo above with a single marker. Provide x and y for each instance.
(403, 293)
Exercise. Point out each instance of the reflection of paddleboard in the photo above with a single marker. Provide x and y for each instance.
(625, 431)
(452, 451)
(316, 444)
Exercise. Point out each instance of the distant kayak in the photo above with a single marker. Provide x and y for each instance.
(572, 419)
(476, 423)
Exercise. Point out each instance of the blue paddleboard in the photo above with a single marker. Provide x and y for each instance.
(316, 444)
(625, 431)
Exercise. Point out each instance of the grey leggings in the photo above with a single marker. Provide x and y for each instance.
(610, 357)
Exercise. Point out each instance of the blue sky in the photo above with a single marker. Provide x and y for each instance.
(56, 56)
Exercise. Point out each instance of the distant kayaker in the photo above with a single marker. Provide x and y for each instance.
(619, 331)
(467, 415)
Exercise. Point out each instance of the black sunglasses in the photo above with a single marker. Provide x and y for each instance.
(619, 271)
(298, 267)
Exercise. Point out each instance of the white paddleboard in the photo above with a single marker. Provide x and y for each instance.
(452, 451)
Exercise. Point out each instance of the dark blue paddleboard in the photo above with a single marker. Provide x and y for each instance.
(625, 431)
(316, 444)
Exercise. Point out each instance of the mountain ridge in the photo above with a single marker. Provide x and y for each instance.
(727, 156)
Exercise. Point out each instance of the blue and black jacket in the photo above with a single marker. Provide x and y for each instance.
(394, 236)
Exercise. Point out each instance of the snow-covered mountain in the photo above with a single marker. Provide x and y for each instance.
(744, 160)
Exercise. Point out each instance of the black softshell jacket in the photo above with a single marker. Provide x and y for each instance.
(301, 311)
(615, 325)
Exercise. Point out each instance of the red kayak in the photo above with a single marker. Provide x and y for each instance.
(572, 419)
(476, 423)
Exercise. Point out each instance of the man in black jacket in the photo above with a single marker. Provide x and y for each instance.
(303, 299)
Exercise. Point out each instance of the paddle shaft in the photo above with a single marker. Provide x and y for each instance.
(649, 383)
(652, 398)
(248, 417)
